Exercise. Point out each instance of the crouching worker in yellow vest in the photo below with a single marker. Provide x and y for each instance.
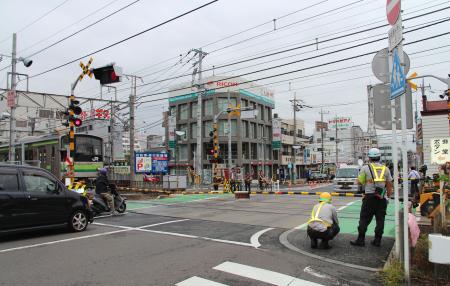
(323, 223)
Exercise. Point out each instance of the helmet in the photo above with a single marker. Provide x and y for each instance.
(325, 197)
(374, 153)
(103, 171)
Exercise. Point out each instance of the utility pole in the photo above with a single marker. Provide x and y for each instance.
(12, 120)
(336, 141)
(200, 91)
(321, 135)
(229, 135)
(132, 117)
(294, 146)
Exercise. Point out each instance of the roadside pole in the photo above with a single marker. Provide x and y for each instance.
(397, 87)
(12, 120)
(229, 135)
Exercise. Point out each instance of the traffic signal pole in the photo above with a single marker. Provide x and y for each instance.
(72, 132)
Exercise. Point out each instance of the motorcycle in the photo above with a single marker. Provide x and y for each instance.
(99, 205)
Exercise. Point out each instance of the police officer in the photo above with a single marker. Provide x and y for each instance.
(323, 223)
(377, 180)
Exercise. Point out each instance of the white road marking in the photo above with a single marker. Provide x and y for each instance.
(167, 233)
(112, 225)
(263, 275)
(165, 222)
(198, 281)
(254, 240)
(345, 206)
(61, 240)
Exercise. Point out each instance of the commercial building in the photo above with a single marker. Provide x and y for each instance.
(433, 124)
(344, 145)
(250, 138)
(284, 158)
(156, 143)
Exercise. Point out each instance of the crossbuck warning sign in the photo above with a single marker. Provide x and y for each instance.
(398, 80)
(85, 69)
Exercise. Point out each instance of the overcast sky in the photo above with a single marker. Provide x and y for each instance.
(156, 53)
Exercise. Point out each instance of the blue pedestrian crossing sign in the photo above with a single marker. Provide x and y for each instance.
(398, 80)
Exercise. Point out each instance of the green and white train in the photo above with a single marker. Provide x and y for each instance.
(49, 152)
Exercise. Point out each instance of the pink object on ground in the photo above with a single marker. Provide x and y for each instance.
(413, 229)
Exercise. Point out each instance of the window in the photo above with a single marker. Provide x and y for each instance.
(184, 111)
(208, 107)
(207, 127)
(193, 130)
(8, 181)
(223, 127)
(182, 127)
(194, 110)
(223, 103)
(36, 181)
(87, 147)
(182, 152)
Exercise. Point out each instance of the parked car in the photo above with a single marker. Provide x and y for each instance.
(316, 176)
(33, 198)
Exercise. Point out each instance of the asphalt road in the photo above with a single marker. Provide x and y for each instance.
(210, 240)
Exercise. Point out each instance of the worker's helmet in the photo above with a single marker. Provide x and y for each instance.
(325, 197)
(374, 153)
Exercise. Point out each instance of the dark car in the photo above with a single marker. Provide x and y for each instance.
(32, 198)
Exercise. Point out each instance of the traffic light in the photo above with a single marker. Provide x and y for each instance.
(72, 114)
(108, 74)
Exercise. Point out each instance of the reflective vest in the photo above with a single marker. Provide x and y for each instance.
(315, 216)
(378, 177)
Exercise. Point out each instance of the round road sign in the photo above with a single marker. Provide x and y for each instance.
(392, 10)
(380, 65)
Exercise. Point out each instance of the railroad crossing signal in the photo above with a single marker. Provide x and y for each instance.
(85, 69)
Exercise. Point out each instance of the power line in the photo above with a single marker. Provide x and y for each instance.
(172, 78)
(313, 44)
(302, 69)
(126, 39)
(352, 27)
(83, 29)
(260, 25)
(290, 24)
(317, 56)
(36, 20)
(68, 26)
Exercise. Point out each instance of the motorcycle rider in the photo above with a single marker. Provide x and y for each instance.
(102, 188)
(377, 180)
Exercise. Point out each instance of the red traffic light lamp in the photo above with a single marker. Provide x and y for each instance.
(108, 74)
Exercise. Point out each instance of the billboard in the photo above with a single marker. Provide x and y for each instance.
(276, 134)
(151, 162)
(340, 122)
(440, 150)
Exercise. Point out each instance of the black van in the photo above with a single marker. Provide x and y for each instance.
(32, 198)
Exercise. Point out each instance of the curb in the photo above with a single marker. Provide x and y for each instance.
(141, 190)
(279, 193)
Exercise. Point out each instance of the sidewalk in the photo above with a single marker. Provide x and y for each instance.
(369, 257)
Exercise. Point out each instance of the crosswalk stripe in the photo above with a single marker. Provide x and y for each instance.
(263, 275)
(198, 281)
